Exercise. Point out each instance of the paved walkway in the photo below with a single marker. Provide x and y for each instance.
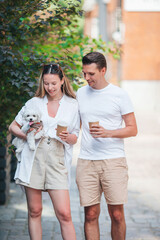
(143, 208)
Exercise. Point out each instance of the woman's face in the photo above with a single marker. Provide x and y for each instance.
(52, 84)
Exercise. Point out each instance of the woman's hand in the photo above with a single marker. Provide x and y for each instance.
(64, 136)
(31, 129)
(67, 137)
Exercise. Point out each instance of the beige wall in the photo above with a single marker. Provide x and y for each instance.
(141, 49)
(88, 20)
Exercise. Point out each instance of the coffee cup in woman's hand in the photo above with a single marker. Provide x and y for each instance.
(61, 127)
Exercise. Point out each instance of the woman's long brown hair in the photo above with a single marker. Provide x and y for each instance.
(57, 70)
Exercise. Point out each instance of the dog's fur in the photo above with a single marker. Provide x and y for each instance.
(31, 119)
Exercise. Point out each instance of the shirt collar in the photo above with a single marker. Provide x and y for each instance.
(45, 99)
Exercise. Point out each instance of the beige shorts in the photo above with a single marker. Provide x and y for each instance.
(96, 176)
(48, 171)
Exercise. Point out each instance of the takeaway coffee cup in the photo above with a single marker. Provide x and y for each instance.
(93, 123)
(61, 126)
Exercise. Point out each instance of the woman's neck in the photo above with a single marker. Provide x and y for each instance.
(55, 98)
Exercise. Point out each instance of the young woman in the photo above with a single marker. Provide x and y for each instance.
(47, 168)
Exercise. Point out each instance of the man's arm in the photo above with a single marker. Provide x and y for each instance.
(129, 130)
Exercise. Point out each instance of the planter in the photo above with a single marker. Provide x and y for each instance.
(5, 168)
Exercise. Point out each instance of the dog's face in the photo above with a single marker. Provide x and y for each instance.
(32, 115)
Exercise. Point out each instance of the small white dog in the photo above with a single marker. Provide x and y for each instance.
(31, 120)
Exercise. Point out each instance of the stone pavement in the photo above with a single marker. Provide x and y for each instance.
(143, 208)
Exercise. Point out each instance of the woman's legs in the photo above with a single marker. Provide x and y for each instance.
(61, 204)
(34, 203)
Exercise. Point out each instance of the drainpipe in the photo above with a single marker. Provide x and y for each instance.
(103, 19)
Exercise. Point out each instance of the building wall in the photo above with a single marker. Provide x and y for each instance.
(89, 19)
(91, 28)
(141, 58)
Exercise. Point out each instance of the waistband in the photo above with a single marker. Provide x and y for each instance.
(49, 140)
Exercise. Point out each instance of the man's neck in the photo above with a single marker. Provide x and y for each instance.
(102, 85)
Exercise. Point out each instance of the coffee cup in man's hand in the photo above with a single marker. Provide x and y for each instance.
(93, 123)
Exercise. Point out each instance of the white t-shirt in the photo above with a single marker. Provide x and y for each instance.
(107, 106)
(68, 112)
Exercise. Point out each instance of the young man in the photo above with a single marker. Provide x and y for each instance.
(102, 165)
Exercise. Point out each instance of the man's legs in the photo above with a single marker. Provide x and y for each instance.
(91, 226)
(118, 227)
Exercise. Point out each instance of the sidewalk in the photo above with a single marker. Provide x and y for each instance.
(143, 208)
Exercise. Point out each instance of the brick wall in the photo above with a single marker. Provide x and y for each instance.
(140, 60)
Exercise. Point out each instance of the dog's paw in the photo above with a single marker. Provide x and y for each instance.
(38, 135)
(18, 150)
(32, 148)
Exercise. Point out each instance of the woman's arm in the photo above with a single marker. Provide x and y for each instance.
(15, 129)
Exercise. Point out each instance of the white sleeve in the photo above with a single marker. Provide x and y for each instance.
(76, 122)
(19, 118)
(77, 97)
(125, 104)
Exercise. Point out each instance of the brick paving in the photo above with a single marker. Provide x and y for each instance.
(143, 208)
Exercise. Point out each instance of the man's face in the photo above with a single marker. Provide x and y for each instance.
(93, 75)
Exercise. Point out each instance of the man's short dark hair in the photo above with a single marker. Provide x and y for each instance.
(95, 57)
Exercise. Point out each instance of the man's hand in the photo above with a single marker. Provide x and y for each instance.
(130, 129)
(99, 132)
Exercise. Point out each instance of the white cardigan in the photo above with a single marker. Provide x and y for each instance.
(67, 112)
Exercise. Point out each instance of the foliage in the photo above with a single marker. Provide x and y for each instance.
(33, 32)
(20, 63)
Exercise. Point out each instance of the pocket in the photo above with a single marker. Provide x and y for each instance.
(83, 167)
(124, 163)
(61, 160)
(42, 144)
(60, 152)
(59, 149)
(115, 164)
